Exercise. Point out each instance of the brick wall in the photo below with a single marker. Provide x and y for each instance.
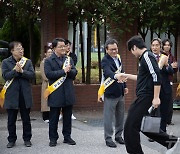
(54, 23)
(86, 97)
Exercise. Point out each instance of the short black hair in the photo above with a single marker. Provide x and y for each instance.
(13, 44)
(56, 40)
(110, 41)
(167, 40)
(137, 41)
(67, 42)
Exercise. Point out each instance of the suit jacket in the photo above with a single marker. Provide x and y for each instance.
(64, 95)
(21, 83)
(166, 87)
(109, 67)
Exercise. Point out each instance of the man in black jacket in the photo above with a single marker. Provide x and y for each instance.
(114, 94)
(147, 92)
(18, 95)
(60, 71)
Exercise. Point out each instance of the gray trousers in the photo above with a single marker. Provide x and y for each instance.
(113, 107)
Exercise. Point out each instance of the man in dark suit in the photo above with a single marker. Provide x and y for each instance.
(166, 90)
(19, 70)
(114, 94)
(62, 97)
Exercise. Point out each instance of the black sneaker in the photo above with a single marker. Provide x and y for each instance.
(69, 141)
(27, 143)
(150, 140)
(52, 143)
(10, 144)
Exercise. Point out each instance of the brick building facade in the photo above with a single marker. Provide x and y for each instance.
(54, 23)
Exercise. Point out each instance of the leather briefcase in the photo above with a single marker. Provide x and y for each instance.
(150, 124)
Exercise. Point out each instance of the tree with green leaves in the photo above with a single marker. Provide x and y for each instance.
(24, 15)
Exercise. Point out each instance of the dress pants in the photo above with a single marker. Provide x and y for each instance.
(53, 122)
(12, 117)
(137, 110)
(170, 112)
(164, 109)
(113, 107)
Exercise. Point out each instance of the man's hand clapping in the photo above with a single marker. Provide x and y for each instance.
(18, 68)
(163, 61)
(67, 68)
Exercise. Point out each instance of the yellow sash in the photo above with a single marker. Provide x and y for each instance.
(22, 62)
(58, 83)
(178, 90)
(105, 84)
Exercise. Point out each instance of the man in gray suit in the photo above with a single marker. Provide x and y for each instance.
(114, 94)
(17, 72)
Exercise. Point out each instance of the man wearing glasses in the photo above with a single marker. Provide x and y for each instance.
(16, 93)
(60, 71)
(113, 94)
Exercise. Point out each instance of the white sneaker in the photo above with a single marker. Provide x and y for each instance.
(60, 117)
(46, 121)
(175, 149)
(73, 117)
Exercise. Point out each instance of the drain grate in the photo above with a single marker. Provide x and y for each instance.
(94, 122)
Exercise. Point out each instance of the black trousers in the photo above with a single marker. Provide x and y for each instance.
(12, 117)
(137, 110)
(53, 122)
(164, 109)
(170, 112)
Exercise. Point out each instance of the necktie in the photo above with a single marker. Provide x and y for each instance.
(157, 58)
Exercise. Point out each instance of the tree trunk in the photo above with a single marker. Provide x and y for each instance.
(14, 25)
(88, 72)
(99, 52)
(169, 34)
(105, 35)
(82, 53)
(30, 31)
(74, 36)
(152, 34)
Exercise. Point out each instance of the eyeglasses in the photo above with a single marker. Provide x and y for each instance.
(61, 47)
(19, 49)
(113, 49)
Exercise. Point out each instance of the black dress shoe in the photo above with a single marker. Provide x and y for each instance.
(150, 140)
(69, 141)
(170, 123)
(119, 140)
(52, 143)
(27, 143)
(10, 144)
(111, 144)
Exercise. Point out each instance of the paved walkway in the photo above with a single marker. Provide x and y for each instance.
(87, 131)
